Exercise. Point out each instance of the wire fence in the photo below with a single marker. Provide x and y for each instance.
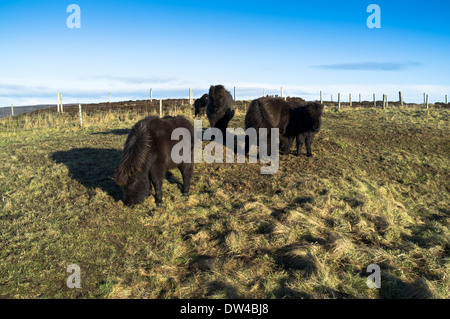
(155, 103)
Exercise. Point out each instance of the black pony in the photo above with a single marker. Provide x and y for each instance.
(147, 157)
(268, 112)
(220, 109)
(200, 105)
(304, 123)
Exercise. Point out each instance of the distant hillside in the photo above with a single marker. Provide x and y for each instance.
(6, 111)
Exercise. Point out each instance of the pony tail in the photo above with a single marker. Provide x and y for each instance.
(266, 116)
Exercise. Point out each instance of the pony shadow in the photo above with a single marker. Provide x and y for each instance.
(172, 179)
(215, 287)
(395, 288)
(92, 167)
(124, 131)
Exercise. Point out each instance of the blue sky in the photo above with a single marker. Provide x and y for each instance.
(128, 47)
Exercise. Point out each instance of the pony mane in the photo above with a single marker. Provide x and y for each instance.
(315, 109)
(135, 153)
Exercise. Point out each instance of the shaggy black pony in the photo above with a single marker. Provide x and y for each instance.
(220, 109)
(146, 158)
(304, 123)
(200, 105)
(268, 112)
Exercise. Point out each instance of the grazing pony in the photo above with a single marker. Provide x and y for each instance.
(220, 109)
(200, 105)
(147, 157)
(304, 123)
(268, 112)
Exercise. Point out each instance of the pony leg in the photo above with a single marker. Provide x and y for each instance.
(157, 180)
(300, 139)
(309, 140)
(186, 171)
(285, 144)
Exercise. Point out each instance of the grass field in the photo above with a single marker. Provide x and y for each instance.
(375, 192)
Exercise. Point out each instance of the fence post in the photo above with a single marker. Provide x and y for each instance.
(427, 102)
(81, 115)
(12, 110)
(160, 108)
(321, 97)
(400, 98)
(62, 105)
(446, 101)
(424, 98)
(350, 98)
(151, 95)
(360, 98)
(109, 97)
(384, 101)
(190, 96)
(331, 97)
(281, 89)
(339, 101)
(374, 100)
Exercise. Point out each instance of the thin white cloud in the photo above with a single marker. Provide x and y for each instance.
(369, 66)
